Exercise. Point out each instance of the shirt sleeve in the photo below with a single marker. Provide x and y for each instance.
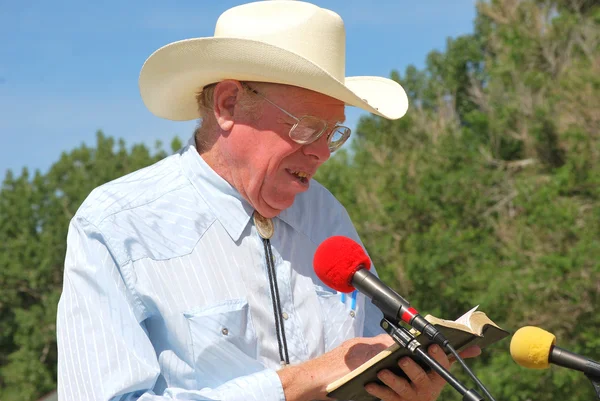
(104, 352)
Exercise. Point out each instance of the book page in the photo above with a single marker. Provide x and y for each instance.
(466, 318)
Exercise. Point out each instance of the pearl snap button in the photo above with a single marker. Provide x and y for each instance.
(285, 315)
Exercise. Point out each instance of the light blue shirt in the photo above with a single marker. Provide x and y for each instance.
(166, 293)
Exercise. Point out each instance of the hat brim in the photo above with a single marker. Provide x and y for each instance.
(172, 75)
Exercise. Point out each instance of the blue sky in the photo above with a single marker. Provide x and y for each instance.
(70, 67)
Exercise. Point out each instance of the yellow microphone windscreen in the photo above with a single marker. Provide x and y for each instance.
(530, 347)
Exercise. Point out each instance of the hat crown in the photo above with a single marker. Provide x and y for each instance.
(312, 32)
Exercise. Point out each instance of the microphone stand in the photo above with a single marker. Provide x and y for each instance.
(405, 339)
(595, 382)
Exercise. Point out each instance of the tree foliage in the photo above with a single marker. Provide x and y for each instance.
(34, 217)
(488, 191)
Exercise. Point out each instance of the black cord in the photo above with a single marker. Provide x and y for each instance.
(469, 371)
(279, 328)
(278, 299)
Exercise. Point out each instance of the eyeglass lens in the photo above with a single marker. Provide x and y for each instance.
(308, 129)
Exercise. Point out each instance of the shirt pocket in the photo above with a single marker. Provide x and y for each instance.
(224, 344)
(340, 321)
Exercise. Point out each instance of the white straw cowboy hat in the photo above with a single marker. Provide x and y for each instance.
(279, 41)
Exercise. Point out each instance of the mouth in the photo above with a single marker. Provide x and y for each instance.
(301, 176)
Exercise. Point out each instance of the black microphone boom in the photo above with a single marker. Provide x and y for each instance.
(387, 300)
(567, 359)
(571, 360)
(393, 306)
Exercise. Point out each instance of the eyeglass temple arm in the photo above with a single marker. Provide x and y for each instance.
(263, 97)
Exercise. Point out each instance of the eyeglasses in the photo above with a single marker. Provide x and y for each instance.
(308, 128)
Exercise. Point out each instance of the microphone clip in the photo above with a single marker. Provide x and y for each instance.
(402, 336)
(595, 382)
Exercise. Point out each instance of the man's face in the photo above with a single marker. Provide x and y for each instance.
(265, 164)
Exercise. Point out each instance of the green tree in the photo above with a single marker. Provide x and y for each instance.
(488, 191)
(34, 217)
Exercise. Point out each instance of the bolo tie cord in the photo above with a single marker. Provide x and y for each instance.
(278, 315)
(279, 328)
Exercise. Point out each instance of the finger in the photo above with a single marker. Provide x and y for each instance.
(470, 352)
(436, 352)
(437, 382)
(398, 385)
(382, 392)
(419, 378)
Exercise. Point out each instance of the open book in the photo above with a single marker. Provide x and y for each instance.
(473, 328)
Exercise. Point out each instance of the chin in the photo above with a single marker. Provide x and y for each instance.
(278, 205)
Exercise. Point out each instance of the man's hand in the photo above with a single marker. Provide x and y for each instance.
(307, 381)
(423, 386)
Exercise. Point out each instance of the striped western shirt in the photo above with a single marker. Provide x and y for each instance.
(166, 293)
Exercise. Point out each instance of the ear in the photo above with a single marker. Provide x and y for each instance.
(226, 96)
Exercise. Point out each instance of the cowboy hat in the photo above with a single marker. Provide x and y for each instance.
(280, 41)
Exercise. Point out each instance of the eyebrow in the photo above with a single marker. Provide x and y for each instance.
(338, 122)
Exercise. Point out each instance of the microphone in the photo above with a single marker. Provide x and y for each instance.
(342, 264)
(535, 348)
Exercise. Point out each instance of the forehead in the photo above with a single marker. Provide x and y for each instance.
(300, 102)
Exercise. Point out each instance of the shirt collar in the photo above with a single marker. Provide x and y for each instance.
(230, 208)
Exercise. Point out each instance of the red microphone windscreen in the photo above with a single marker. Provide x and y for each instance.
(337, 259)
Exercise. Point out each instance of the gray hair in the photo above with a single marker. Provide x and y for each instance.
(204, 134)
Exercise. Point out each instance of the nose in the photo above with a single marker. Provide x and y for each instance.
(318, 149)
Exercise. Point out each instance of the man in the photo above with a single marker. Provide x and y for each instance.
(192, 278)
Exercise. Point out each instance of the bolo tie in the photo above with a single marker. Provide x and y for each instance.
(265, 230)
